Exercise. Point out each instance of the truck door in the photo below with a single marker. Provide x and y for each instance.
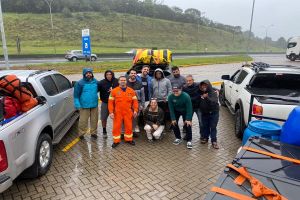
(55, 101)
(66, 90)
(229, 84)
(237, 86)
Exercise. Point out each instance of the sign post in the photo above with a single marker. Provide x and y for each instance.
(86, 43)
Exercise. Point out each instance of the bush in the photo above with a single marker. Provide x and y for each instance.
(66, 12)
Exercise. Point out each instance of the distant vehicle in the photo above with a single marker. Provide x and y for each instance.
(75, 55)
(26, 141)
(260, 79)
(293, 49)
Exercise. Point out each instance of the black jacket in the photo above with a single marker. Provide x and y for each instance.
(105, 85)
(211, 103)
(151, 118)
(194, 93)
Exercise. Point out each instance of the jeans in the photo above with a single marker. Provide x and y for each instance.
(176, 127)
(199, 116)
(210, 122)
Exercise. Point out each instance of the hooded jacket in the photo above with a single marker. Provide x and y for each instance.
(149, 81)
(86, 92)
(194, 93)
(211, 103)
(161, 88)
(137, 86)
(105, 85)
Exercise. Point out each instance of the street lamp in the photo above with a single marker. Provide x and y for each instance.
(267, 29)
(49, 3)
(250, 27)
(3, 38)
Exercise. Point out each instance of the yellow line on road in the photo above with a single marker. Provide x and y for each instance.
(71, 144)
(217, 83)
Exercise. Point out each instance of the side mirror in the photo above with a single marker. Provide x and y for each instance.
(73, 83)
(225, 77)
(41, 99)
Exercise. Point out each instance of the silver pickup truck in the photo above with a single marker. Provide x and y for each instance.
(26, 142)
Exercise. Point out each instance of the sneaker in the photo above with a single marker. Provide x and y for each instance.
(189, 145)
(215, 145)
(177, 141)
(114, 145)
(95, 136)
(135, 135)
(104, 135)
(81, 137)
(131, 142)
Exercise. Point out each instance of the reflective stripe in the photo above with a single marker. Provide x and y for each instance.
(128, 136)
(134, 97)
(117, 137)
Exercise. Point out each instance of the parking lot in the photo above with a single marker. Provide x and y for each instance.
(91, 169)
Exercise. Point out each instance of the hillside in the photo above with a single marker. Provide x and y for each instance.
(34, 31)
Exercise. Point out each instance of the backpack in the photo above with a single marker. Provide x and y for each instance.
(12, 85)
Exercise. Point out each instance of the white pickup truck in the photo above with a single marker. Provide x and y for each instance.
(26, 142)
(265, 80)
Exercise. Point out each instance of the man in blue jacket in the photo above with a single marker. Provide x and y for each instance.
(146, 81)
(86, 101)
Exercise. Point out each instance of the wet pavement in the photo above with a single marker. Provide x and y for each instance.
(91, 169)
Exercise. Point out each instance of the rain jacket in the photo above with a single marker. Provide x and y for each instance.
(211, 103)
(105, 85)
(193, 91)
(86, 92)
(161, 88)
(149, 80)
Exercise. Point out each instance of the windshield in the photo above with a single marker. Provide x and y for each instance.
(291, 44)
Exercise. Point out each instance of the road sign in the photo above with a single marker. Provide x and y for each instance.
(86, 42)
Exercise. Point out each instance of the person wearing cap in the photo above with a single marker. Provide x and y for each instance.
(209, 107)
(180, 104)
(86, 101)
(175, 78)
(154, 120)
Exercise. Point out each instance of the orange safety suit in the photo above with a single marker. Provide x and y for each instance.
(122, 104)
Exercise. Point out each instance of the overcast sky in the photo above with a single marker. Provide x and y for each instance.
(283, 14)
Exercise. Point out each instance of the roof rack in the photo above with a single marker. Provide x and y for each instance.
(257, 66)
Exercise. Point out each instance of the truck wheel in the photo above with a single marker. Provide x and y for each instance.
(74, 59)
(43, 154)
(222, 98)
(93, 58)
(293, 57)
(239, 123)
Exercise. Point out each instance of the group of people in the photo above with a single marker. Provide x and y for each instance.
(157, 101)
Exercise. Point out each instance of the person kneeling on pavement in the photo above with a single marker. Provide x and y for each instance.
(209, 107)
(154, 120)
(180, 104)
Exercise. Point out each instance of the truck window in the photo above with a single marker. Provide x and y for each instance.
(49, 85)
(240, 77)
(277, 83)
(62, 82)
(291, 45)
(233, 77)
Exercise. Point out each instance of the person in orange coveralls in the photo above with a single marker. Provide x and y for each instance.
(122, 106)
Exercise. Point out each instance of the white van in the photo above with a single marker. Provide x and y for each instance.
(293, 49)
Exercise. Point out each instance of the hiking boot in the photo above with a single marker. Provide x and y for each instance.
(81, 137)
(203, 140)
(189, 145)
(95, 136)
(215, 145)
(131, 142)
(114, 145)
(104, 135)
(177, 141)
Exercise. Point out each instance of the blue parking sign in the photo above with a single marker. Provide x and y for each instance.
(86, 42)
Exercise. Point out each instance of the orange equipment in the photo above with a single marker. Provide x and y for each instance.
(12, 85)
(122, 104)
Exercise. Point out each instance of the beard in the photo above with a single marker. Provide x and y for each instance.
(176, 75)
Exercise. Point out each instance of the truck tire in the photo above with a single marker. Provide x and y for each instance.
(93, 58)
(239, 126)
(222, 98)
(292, 57)
(74, 59)
(43, 154)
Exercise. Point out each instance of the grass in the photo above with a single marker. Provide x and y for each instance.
(76, 67)
(139, 32)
